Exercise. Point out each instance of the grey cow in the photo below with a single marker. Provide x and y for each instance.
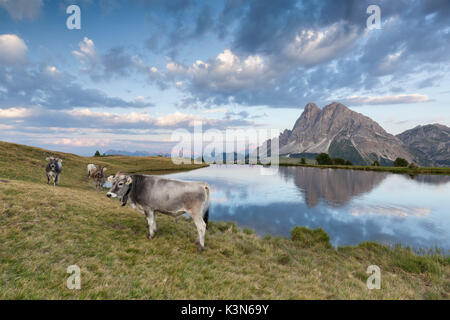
(53, 170)
(151, 194)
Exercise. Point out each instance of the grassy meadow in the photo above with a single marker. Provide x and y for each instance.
(45, 229)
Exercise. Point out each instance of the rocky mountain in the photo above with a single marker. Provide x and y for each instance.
(429, 144)
(342, 133)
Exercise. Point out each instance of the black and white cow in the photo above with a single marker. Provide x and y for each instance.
(53, 170)
(151, 194)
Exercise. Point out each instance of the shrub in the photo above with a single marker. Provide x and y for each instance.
(348, 163)
(302, 161)
(400, 162)
(338, 161)
(309, 237)
(376, 163)
(412, 165)
(323, 158)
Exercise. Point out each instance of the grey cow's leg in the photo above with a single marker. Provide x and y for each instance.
(151, 222)
(201, 229)
(154, 223)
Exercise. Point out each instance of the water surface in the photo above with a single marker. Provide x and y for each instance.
(351, 206)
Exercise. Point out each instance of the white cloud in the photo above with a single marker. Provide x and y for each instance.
(396, 99)
(176, 118)
(216, 110)
(311, 47)
(87, 53)
(13, 50)
(82, 142)
(14, 113)
(226, 72)
(22, 9)
(132, 117)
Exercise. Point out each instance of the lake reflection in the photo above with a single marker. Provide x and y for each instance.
(352, 206)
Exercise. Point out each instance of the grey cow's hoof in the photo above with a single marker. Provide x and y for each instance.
(200, 249)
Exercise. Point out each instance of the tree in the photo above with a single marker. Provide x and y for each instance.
(400, 162)
(302, 161)
(97, 154)
(376, 163)
(323, 158)
(412, 165)
(348, 163)
(338, 161)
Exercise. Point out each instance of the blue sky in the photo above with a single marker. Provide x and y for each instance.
(138, 70)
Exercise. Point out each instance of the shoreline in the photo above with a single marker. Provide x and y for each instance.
(398, 170)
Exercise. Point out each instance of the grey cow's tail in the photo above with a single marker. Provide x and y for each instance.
(206, 215)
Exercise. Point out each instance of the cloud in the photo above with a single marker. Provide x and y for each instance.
(312, 47)
(85, 118)
(303, 51)
(13, 50)
(50, 88)
(87, 53)
(22, 9)
(117, 63)
(14, 113)
(376, 100)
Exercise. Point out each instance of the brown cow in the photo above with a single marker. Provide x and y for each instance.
(98, 175)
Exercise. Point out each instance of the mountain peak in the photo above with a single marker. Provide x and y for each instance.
(311, 106)
(341, 132)
(335, 106)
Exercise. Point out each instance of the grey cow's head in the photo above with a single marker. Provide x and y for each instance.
(121, 184)
(54, 164)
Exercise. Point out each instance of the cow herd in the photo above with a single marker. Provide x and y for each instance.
(149, 195)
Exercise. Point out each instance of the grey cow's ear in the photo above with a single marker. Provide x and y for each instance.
(47, 159)
(129, 180)
(104, 169)
(110, 179)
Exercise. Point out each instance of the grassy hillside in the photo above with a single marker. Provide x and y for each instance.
(19, 162)
(44, 229)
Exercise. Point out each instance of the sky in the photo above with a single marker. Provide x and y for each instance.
(136, 71)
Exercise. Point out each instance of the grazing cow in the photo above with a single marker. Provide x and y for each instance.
(98, 175)
(90, 168)
(151, 194)
(53, 170)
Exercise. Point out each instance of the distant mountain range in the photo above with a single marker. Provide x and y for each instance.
(343, 133)
(429, 145)
(135, 153)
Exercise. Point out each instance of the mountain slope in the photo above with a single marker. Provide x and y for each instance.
(342, 133)
(429, 144)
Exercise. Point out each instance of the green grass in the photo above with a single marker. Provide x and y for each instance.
(400, 170)
(44, 229)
